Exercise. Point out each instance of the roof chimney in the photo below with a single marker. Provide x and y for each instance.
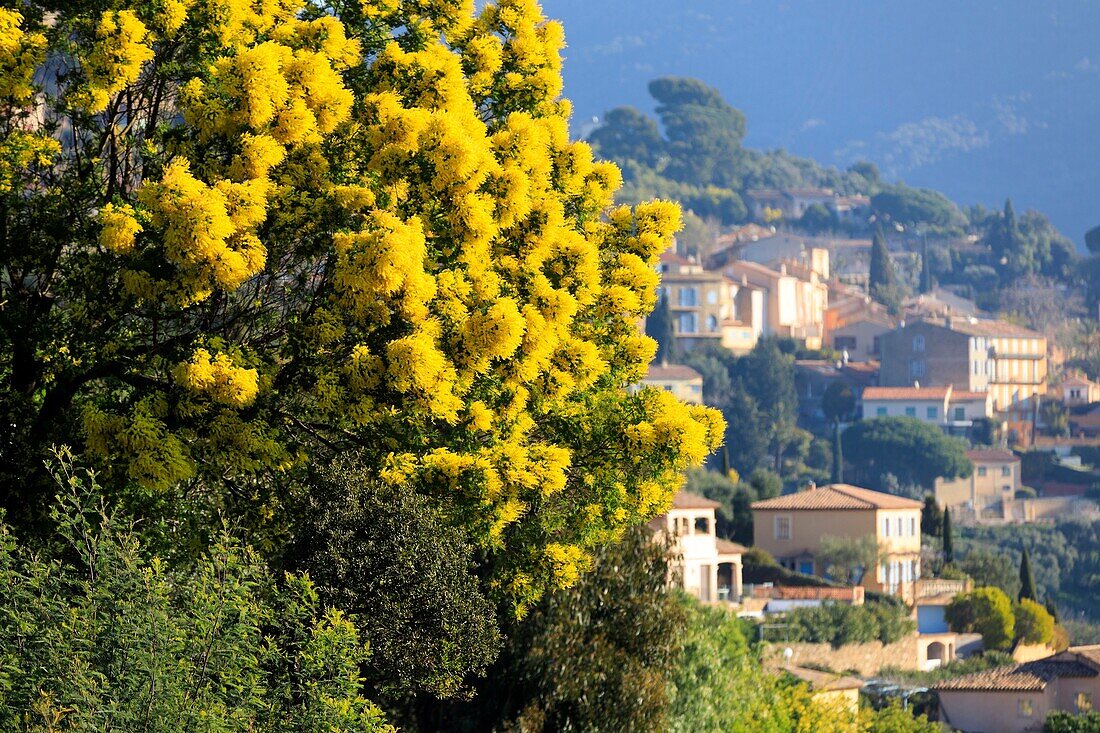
(812, 486)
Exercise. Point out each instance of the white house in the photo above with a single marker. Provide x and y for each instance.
(705, 566)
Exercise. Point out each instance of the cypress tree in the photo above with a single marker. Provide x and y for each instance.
(948, 541)
(659, 328)
(883, 281)
(925, 268)
(1027, 579)
(1052, 608)
(838, 455)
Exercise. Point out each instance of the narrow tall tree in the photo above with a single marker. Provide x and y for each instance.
(948, 541)
(926, 283)
(1027, 579)
(659, 328)
(838, 455)
(883, 280)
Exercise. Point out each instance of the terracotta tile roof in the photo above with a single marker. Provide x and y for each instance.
(905, 393)
(992, 456)
(688, 500)
(993, 329)
(672, 258)
(838, 496)
(725, 547)
(1030, 676)
(1076, 381)
(1090, 652)
(671, 371)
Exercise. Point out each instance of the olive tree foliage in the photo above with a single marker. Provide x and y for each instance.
(104, 636)
(237, 238)
(847, 559)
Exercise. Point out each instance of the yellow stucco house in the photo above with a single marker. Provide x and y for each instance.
(792, 528)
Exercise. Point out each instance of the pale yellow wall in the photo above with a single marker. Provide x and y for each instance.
(994, 712)
(980, 490)
(843, 703)
(809, 527)
(864, 333)
(688, 390)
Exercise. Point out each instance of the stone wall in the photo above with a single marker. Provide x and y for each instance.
(865, 659)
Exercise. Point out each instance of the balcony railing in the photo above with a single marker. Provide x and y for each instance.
(931, 587)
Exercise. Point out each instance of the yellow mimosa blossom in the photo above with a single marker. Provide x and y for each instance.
(120, 227)
(218, 378)
(20, 54)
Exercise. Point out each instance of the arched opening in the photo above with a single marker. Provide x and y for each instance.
(937, 655)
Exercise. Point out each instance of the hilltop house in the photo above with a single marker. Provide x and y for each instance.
(680, 380)
(708, 307)
(1017, 699)
(793, 302)
(705, 566)
(953, 411)
(988, 491)
(792, 528)
(1078, 390)
(1006, 360)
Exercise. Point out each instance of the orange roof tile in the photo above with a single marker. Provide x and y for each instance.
(671, 371)
(837, 496)
(904, 393)
(992, 456)
(1030, 676)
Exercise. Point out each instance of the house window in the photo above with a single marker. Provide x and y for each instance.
(897, 524)
(1006, 488)
(918, 343)
(782, 528)
(702, 525)
(712, 324)
(880, 412)
(1075, 394)
(712, 297)
(844, 343)
(688, 297)
(688, 323)
(933, 413)
(1024, 708)
(886, 527)
(981, 470)
(1006, 470)
(910, 412)
(1083, 701)
(806, 567)
(916, 368)
(875, 345)
(912, 526)
(960, 413)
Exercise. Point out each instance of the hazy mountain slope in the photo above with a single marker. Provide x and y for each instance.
(981, 100)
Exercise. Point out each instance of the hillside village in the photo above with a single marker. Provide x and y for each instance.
(994, 386)
(1001, 392)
